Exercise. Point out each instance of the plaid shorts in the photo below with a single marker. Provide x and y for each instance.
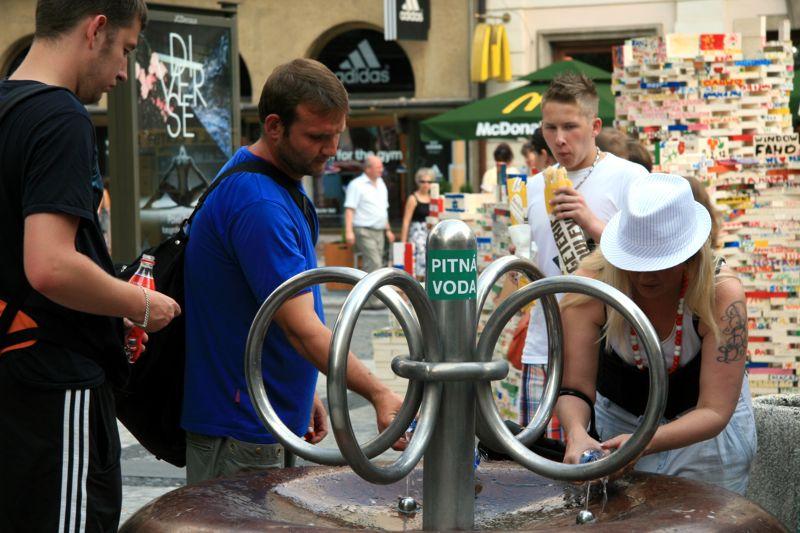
(533, 381)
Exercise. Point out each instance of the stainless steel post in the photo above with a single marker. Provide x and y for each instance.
(449, 477)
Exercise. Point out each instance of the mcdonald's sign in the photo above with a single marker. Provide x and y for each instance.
(491, 56)
(530, 99)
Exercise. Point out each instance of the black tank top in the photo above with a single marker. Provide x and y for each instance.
(420, 211)
(628, 387)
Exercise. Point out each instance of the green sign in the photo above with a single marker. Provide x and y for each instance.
(452, 274)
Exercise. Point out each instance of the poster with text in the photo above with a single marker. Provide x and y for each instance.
(184, 81)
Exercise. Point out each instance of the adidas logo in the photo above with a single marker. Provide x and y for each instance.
(411, 12)
(362, 67)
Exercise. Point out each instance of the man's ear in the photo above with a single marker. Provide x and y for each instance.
(597, 126)
(97, 24)
(273, 126)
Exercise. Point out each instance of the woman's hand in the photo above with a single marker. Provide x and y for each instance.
(578, 443)
(614, 444)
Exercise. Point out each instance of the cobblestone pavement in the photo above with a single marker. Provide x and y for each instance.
(144, 478)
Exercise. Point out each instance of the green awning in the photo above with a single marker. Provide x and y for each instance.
(512, 114)
(546, 74)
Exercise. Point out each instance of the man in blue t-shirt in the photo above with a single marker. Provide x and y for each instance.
(252, 235)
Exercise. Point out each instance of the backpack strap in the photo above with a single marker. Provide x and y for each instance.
(259, 166)
(14, 305)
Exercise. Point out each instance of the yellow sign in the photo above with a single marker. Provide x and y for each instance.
(532, 98)
(481, 41)
(491, 55)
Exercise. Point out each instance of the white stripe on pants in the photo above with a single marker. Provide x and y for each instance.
(74, 460)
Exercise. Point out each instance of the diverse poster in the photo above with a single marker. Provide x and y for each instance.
(184, 82)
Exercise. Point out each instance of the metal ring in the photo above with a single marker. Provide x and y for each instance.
(337, 372)
(254, 352)
(555, 362)
(656, 400)
(460, 371)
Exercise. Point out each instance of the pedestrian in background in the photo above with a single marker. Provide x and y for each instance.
(415, 229)
(502, 154)
(61, 348)
(257, 229)
(540, 157)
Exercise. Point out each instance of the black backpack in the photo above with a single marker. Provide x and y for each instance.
(149, 405)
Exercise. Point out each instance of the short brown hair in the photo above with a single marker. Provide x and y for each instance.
(573, 88)
(637, 153)
(614, 141)
(56, 17)
(301, 81)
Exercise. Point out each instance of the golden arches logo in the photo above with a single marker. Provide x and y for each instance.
(533, 99)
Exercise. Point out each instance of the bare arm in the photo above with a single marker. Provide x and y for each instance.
(721, 374)
(57, 270)
(309, 336)
(582, 329)
(411, 204)
(349, 235)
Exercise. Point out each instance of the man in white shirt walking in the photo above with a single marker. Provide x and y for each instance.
(366, 215)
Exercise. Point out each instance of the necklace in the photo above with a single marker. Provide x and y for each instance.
(591, 169)
(676, 354)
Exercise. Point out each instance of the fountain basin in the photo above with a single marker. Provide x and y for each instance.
(508, 497)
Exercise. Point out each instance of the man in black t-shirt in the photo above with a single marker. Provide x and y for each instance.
(59, 446)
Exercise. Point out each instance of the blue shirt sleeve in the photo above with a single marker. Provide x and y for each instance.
(266, 243)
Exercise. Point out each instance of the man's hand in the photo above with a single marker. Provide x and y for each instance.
(386, 405)
(389, 236)
(162, 310)
(318, 424)
(350, 237)
(569, 203)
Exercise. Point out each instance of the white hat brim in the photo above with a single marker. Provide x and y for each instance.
(651, 260)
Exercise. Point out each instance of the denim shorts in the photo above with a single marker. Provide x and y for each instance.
(723, 460)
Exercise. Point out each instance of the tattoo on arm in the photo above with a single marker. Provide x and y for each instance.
(734, 333)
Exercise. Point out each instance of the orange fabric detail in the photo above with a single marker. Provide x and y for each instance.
(518, 342)
(20, 322)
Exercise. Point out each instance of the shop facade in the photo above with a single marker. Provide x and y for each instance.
(393, 85)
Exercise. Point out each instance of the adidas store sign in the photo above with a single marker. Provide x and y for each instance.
(411, 12)
(362, 67)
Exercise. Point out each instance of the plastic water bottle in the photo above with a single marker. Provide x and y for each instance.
(591, 455)
(143, 278)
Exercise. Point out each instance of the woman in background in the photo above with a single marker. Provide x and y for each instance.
(415, 230)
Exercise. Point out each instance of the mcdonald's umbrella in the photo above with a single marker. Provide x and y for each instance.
(546, 74)
(511, 114)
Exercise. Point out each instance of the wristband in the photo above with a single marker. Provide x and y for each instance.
(144, 322)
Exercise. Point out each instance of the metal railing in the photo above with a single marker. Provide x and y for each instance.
(449, 371)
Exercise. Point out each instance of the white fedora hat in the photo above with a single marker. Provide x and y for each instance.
(659, 226)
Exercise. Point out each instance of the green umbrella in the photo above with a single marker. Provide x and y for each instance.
(546, 74)
(512, 114)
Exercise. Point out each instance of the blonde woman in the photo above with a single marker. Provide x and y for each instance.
(657, 251)
(415, 230)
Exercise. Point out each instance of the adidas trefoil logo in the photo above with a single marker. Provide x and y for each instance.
(362, 66)
(411, 12)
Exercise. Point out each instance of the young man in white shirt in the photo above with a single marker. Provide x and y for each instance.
(366, 215)
(599, 182)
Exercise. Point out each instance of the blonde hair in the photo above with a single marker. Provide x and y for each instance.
(700, 294)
